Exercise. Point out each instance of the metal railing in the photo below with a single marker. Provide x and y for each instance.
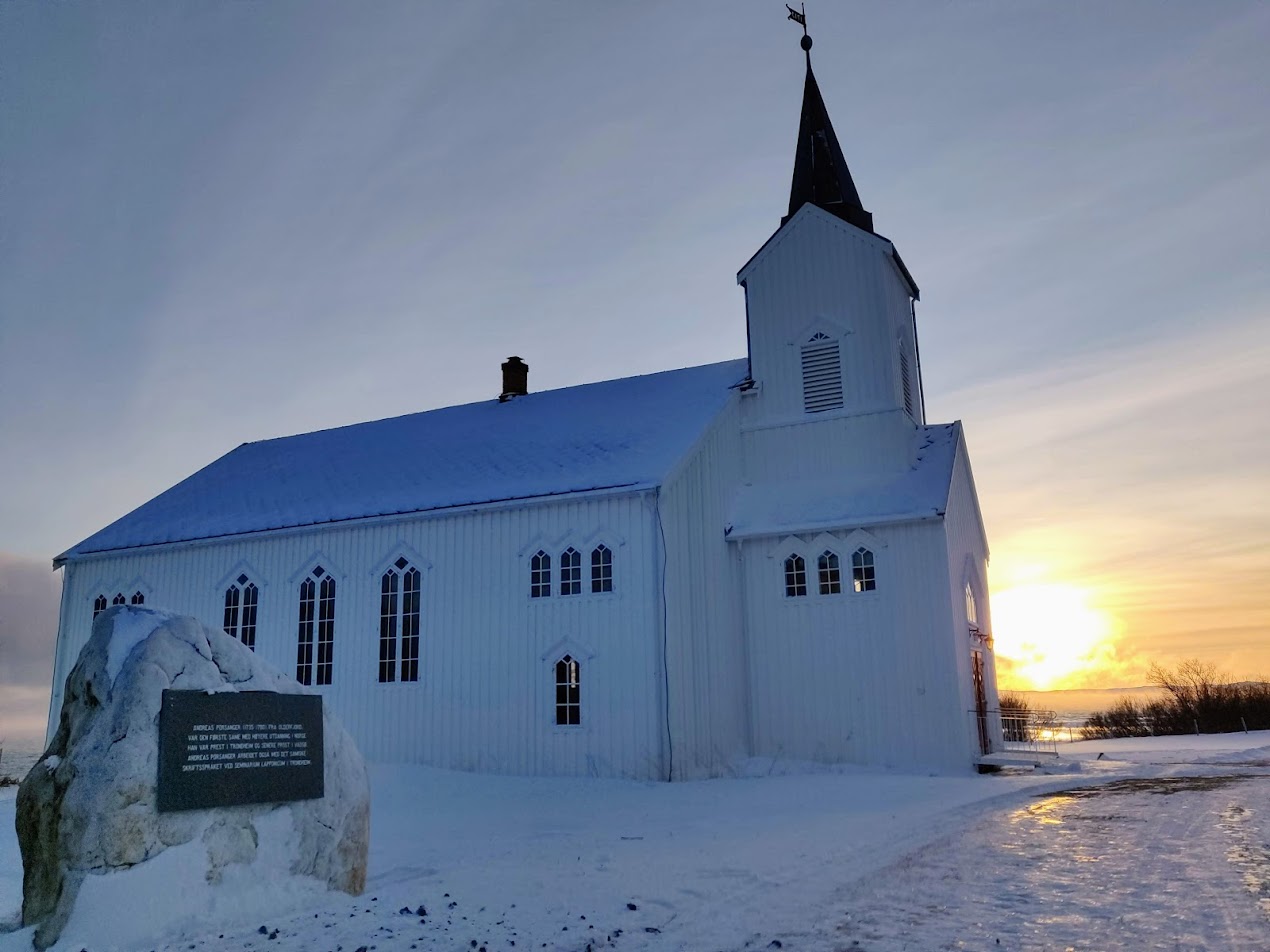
(1030, 731)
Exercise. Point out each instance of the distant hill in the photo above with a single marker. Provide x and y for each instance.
(1085, 701)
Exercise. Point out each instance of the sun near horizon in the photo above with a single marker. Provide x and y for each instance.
(1053, 635)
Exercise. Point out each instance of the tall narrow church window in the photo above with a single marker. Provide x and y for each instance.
(99, 605)
(241, 600)
(830, 573)
(410, 586)
(862, 570)
(906, 380)
(138, 598)
(540, 575)
(822, 374)
(795, 576)
(388, 611)
(972, 610)
(304, 639)
(326, 631)
(568, 692)
(399, 612)
(316, 629)
(571, 572)
(119, 599)
(601, 569)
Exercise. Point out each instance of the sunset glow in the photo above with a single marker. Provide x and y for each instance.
(1050, 635)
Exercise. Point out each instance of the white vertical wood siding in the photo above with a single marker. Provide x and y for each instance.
(967, 550)
(822, 274)
(485, 696)
(705, 647)
(815, 447)
(858, 677)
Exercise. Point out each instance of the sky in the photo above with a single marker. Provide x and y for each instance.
(227, 222)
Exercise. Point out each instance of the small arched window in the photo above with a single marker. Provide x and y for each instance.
(601, 569)
(972, 609)
(99, 605)
(241, 601)
(568, 692)
(119, 599)
(863, 576)
(316, 629)
(399, 613)
(795, 576)
(540, 575)
(830, 573)
(138, 598)
(571, 572)
(822, 374)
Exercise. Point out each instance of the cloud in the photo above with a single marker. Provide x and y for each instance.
(29, 595)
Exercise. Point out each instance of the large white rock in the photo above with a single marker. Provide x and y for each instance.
(88, 806)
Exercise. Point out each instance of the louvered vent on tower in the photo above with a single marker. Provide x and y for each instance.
(822, 374)
(907, 382)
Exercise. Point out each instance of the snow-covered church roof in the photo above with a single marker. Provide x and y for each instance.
(625, 433)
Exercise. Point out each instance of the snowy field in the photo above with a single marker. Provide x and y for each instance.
(1160, 843)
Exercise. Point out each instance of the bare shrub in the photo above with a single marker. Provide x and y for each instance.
(1198, 696)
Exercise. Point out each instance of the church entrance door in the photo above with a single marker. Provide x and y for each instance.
(981, 702)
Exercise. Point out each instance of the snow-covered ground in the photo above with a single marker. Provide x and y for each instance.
(1131, 856)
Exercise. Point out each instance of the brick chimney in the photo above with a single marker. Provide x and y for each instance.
(515, 379)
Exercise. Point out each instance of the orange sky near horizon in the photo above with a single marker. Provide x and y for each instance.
(1127, 503)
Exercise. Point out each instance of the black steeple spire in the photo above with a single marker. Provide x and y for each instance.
(821, 175)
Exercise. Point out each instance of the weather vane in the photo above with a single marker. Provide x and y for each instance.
(800, 17)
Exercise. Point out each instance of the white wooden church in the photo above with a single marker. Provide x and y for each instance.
(652, 577)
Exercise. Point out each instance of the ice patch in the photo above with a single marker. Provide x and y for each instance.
(132, 626)
(51, 763)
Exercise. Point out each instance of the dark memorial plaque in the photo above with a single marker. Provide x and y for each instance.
(221, 750)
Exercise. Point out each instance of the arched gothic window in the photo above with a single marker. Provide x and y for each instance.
(863, 576)
(399, 614)
(242, 600)
(99, 605)
(795, 576)
(571, 572)
(138, 598)
(316, 629)
(601, 569)
(830, 573)
(540, 575)
(972, 609)
(568, 692)
(119, 599)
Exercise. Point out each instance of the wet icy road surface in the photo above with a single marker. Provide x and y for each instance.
(1178, 863)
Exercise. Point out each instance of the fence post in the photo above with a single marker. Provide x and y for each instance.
(1196, 727)
(1244, 723)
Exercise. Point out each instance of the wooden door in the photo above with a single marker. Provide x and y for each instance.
(981, 702)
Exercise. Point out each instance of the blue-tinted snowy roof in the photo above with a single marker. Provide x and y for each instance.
(625, 433)
(848, 500)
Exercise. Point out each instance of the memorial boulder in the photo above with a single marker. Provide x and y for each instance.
(175, 734)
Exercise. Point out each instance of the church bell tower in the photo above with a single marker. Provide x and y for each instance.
(829, 303)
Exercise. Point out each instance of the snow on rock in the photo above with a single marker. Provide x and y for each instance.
(86, 818)
(130, 629)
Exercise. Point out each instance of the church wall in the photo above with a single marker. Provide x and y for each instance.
(704, 628)
(864, 678)
(485, 698)
(823, 275)
(968, 562)
(814, 449)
